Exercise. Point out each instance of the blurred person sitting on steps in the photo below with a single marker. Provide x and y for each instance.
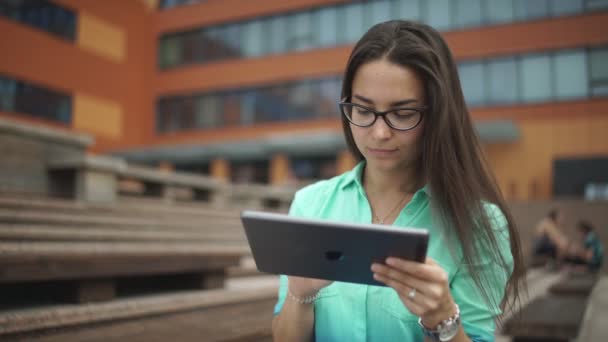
(549, 240)
(587, 253)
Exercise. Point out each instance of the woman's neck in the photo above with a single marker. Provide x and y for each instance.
(386, 182)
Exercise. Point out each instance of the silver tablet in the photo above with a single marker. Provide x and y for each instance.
(324, 249)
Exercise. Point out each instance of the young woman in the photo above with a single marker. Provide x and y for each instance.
(420, 165)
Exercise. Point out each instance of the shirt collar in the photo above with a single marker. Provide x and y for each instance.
(354, 177)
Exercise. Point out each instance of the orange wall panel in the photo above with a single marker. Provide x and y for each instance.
(97, 116)
(101, 37)
(530, 159)
(38, 57)
(125, 78)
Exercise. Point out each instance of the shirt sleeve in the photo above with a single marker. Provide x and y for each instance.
(476, 314)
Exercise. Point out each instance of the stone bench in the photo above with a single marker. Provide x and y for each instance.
(211, 315)
(85, 219)
(594, 327)
(94, 266)
(122, 208)
(10, 232)
(547, 318)
(256, 196)
(574, 285)
(94, 178)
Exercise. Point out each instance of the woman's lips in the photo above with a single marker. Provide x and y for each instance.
(381, 152)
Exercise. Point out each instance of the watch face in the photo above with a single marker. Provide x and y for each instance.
(447, 331)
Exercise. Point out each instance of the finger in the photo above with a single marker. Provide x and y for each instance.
(430, 261)
(404, 278)
(416, 305)
(421, 271)
(412, 305)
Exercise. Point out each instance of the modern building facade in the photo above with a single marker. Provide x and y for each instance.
(248, 90)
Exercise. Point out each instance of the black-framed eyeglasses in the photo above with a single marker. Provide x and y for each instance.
(401, 119)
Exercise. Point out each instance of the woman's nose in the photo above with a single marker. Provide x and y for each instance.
(381, 130)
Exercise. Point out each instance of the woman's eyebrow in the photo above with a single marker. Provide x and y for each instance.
(393, 104)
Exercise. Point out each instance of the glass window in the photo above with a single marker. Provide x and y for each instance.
(300, 100)
(208, 111)
(599, 64)
(377, 12)
(502, 78)
(37, 101)
(598, 58)
(277, 34)
(531, 9)
(253, 39)
(43, 15)
(438, 14)
(498, 11)
(232, 108)
(329, 95)
(167, 4)
(280, 101)
(187, 113)
(192, 46)
(571, 75)
(596, 5)
(565, 7)
(406, 9)
(353, 20)
(467, 13)
(536, 83)
(472, 81)
(230, 40)
(7, 94)
(248, 99)
(302, 34)
(328, 25)
(170, 52)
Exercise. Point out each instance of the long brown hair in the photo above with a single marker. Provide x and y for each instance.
(451, 160)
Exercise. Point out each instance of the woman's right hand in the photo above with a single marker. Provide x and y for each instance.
(306, 287)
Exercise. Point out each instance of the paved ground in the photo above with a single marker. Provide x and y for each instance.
(538, 282)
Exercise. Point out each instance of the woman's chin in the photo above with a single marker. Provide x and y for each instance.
(384, 164)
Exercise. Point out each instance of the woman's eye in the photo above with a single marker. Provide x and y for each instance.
(362, 111)
(404, 114)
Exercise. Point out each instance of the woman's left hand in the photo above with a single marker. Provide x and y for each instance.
(422, 287)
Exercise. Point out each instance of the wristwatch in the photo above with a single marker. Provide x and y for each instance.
(446, 330)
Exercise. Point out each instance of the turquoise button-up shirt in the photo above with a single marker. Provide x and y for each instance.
(353, 312)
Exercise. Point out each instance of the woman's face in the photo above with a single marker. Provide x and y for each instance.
(382, 85)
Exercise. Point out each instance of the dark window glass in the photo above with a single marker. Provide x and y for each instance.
(308, 169)
(598, 59)
(8, 89)
(467, 13)
(43, 15)
(502, 78)
(531, 9)
(346, 23)
(556, 76)
(32, 100)
(168, 4)
(246, 172)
